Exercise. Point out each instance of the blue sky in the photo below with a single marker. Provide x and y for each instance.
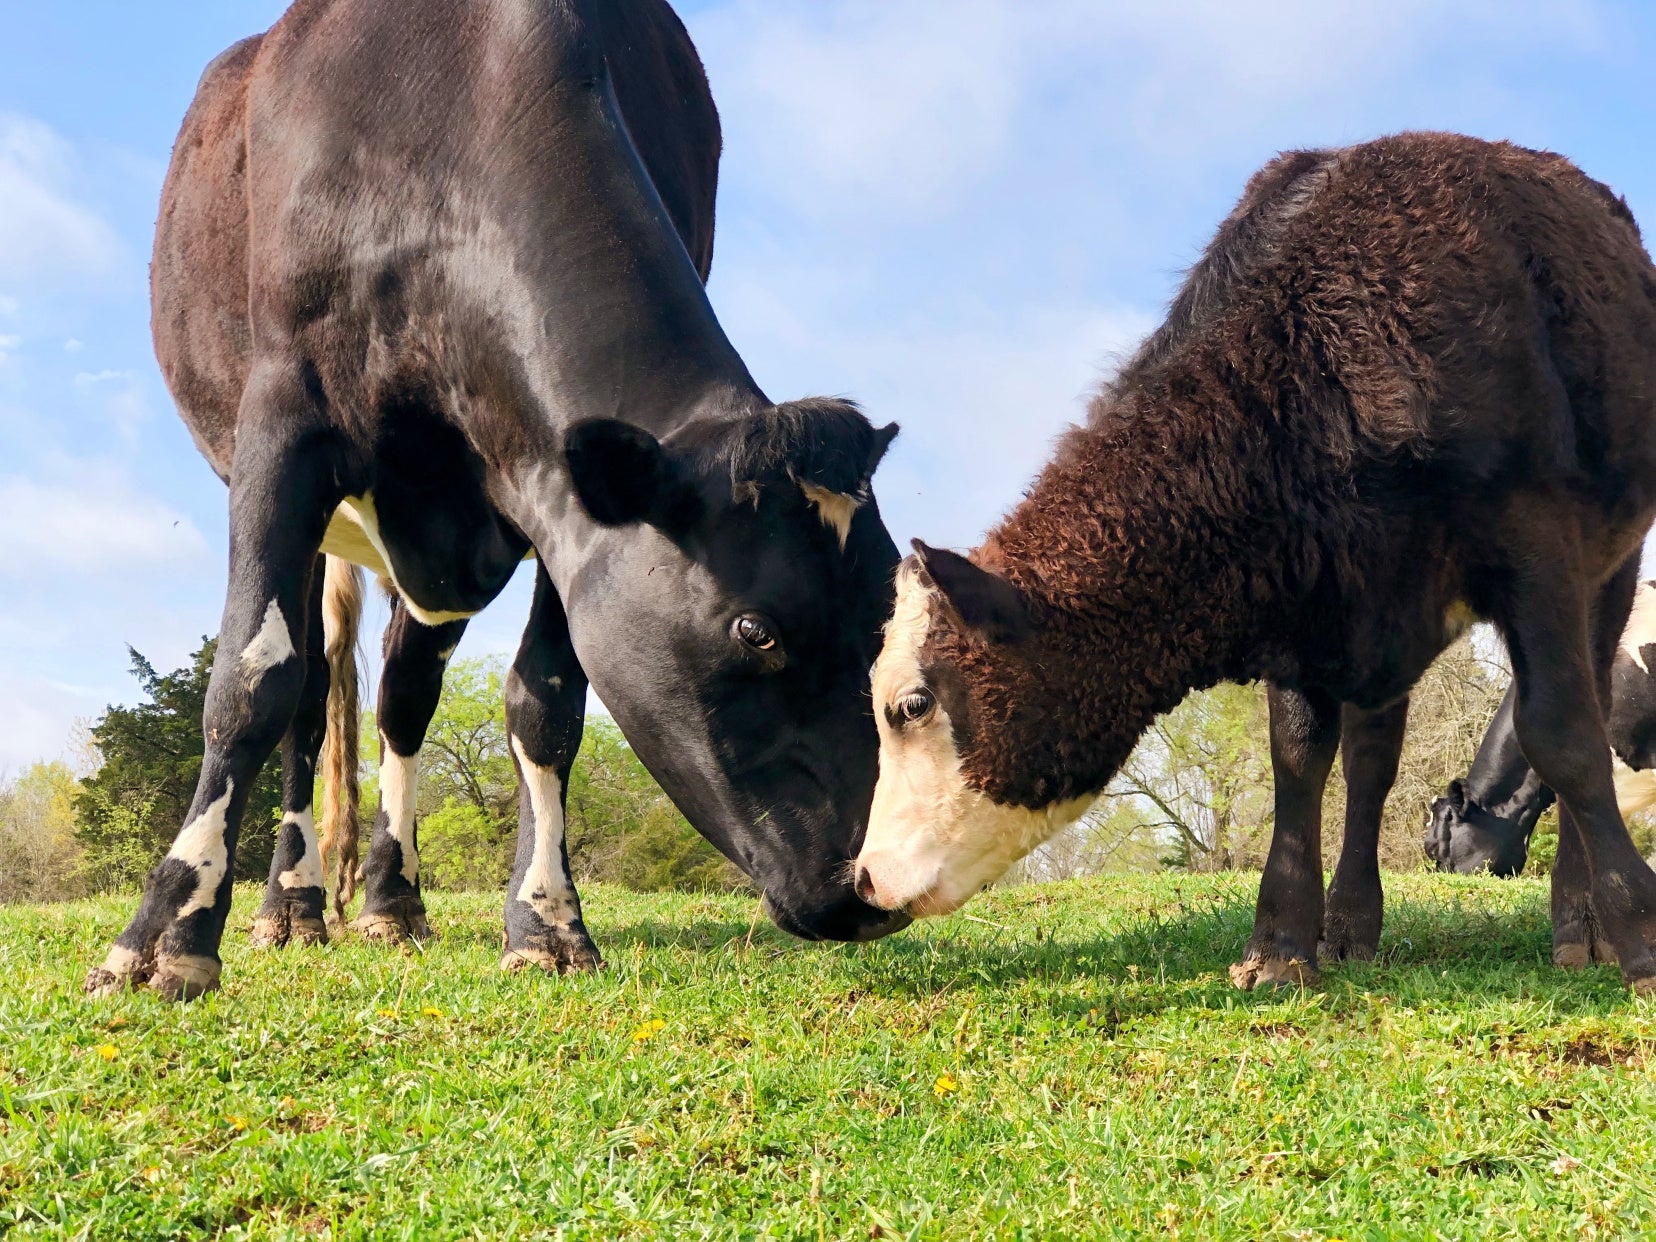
(957, 211)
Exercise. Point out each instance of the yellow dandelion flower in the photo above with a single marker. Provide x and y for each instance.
(945, 1086)
(647, 1030)
(388, 1013)
(152, 1175)
(287, 1103)
(431, 1011)
(107, 1051)
(236, 1122)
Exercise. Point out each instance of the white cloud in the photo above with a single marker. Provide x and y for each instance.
(119, 397)
(901, 106)
(45, 233)
(39, 719)
(89, 520)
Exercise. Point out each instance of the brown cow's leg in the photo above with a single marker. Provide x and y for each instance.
(393, 908)
(1305, 734)
(1577, 937)
(1561, 728)
(1370, 745)
(294, 894)
(545, 703)
(283, 486)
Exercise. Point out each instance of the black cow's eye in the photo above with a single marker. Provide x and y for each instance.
(916, 705)
(755, 632)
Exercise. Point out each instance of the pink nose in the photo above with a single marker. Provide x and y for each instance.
(862, 883)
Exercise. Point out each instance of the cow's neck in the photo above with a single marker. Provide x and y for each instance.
(1142, 575)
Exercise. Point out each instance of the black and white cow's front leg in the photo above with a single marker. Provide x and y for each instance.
(294, 896)
(283, 486)
(545, 709)
(410, 685)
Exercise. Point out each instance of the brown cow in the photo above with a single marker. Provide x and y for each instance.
(1411, 382)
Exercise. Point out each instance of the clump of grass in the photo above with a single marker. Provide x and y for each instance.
(1066, 1060)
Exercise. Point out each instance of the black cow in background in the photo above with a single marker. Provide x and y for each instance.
(1484, 822)
(423, 294)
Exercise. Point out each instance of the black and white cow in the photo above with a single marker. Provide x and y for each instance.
(427, 290)
(1483, 822)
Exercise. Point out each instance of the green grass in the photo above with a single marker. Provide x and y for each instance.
(1066, 1061)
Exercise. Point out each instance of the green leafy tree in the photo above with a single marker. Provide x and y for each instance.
(39, 856)
(128, 811)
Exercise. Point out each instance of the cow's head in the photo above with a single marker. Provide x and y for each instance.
(727, 613)
(1464, 837)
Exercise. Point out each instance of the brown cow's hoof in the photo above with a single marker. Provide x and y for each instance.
(1273, 972)
(1575, 955)
(1645, 986)
(185, 977)
(1345, 951)
(392, 928)
(562, 959)
(121, 969)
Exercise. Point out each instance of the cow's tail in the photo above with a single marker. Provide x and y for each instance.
(342, 590)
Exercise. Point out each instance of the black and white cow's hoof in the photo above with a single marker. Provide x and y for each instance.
(276, 929)
(566, 954)
(1273, 972)
(121, 969)
(185, 976)
(394, 923)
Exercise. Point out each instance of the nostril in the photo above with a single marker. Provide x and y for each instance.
(862, 883)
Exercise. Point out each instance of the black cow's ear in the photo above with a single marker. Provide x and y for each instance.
(621, 473)
(1456, 796)
(985, 601)
(883, 436)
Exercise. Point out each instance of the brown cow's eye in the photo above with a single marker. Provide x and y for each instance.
(755, 632)
(916, 705)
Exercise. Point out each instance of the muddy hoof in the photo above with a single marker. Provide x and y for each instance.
(1342, 950)
(275, 931)
(559, 960)
(184, 978)
(1577, 955)
(392, 928)
(1645, 986)
(1272, 972)
(121, 969)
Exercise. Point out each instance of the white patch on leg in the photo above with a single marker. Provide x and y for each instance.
(201, 845)
(271, 646)
(307, 872)
(398, 776)
(1635, 789)
(1641, 625)
(354, 535)
(545, 888)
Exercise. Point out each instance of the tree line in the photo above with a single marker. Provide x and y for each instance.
(1195, 795)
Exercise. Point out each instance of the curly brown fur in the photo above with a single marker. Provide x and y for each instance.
(1299, 473)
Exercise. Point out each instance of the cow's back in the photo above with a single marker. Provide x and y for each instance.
(204, 263)
(198, 277)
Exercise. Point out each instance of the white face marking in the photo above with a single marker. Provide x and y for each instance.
(354, 535)
(307, 872)
(271, 646)
(834, 508)
(1641, 625)
(398, 775)
(932, 840)
(545, 890)
(201, 845)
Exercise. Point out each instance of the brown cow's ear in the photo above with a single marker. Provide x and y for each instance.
(986, 602)
(622, 475)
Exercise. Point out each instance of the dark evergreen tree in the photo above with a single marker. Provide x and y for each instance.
(127, 813)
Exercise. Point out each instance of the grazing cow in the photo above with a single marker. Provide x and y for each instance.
(1483, 823)
(1409, 383)
(423, 295)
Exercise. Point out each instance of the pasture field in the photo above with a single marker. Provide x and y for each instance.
(1068, 1061)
